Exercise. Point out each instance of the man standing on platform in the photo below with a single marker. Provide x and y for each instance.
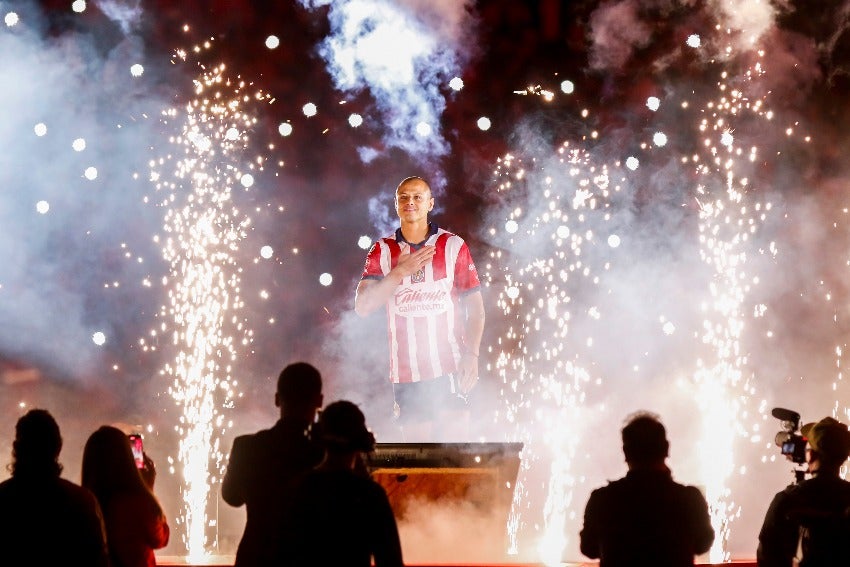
(263, 467)
(646, 518)
(425, 278)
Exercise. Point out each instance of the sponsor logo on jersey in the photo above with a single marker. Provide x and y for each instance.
(416, 301)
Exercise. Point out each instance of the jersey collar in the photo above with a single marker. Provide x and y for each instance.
(432, 230)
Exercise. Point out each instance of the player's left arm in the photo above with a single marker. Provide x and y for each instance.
(473, 330)
(471, 304)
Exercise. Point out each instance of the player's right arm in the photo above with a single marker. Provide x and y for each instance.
(373, 293)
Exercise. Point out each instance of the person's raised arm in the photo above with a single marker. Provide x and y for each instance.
(373, 294)
(234, 484)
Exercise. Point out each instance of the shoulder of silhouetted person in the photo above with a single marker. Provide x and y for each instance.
(50, 521)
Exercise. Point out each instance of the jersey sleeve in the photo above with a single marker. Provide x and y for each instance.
(466, 276)
(372, 268)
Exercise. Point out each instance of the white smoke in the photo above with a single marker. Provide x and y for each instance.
(619, 28)
(751, 18)
(617, 31)
(404, 54)
(58, 269)
(125, 13)
(788, 350)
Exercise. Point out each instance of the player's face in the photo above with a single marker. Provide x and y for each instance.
(413, 201)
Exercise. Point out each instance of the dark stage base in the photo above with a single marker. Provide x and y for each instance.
(424, 476)
(228, 561)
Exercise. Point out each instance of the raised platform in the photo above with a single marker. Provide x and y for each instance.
(481, 475)
(436, 487)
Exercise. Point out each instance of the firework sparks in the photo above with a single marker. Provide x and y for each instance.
(552, 265)
(203, 229)
(727, 222)
(544, 375)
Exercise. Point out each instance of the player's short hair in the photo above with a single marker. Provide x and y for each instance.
(413, 178)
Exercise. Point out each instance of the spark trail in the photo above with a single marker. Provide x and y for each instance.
(203, 228)
(550, 255)
(729, 215)
(565, 286)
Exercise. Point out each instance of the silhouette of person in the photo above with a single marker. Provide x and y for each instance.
(135, 522)
(810, 522)
(646, 518)
(426, 280)
(341, 516)
(263, 466)
(45, 519)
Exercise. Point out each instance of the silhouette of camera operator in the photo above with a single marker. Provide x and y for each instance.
(340, 516)
(808, 523)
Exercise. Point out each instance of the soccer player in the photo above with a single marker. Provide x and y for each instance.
(425, 278)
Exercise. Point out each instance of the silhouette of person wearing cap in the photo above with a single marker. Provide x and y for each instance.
(646, 518)
(263, 467)
(808, 524)
(45, 519)
(341, 516)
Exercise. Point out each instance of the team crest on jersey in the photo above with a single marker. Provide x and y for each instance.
(418, 276)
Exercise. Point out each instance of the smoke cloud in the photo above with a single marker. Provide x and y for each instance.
(617, 31)
(403, 54)
(75, 132)
(125, 13)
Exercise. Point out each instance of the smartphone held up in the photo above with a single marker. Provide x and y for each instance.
(138, 449)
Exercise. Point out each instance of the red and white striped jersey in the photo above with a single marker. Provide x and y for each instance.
(425, 326)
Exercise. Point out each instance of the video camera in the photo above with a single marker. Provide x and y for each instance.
(790, 442)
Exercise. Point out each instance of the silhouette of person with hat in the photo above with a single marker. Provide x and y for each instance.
(341, 516)
(809, 522)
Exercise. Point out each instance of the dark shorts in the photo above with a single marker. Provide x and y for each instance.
(424, 401)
